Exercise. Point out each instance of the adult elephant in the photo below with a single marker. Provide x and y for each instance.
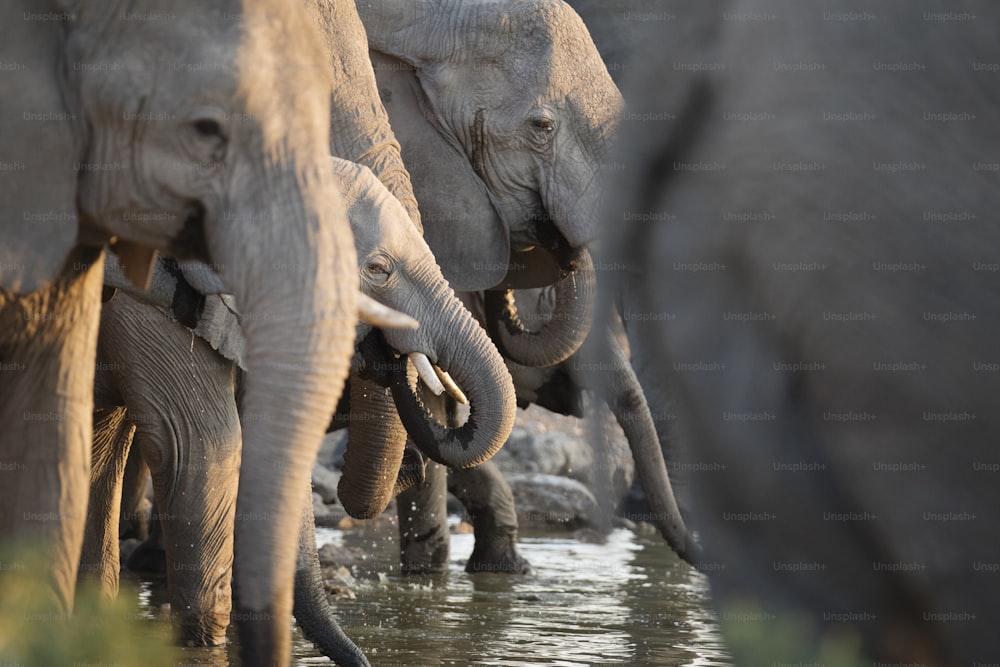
(831, 177)
(201, 130)
(504, 112)
(559, 388)
(183, 418)
(506, 138)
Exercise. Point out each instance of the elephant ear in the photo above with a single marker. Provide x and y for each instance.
(469, 240)
(40, 152)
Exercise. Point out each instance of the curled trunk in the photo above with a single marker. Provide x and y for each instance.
(457, 344)
(565, 330)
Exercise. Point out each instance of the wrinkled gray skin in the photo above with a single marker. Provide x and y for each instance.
(850, 230)
(150, 355)
(504, 112)
(230, 139)
(166, 392)
(503, 132)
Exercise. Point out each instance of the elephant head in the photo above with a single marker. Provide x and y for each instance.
(504, 112)
(398, 269)
(201, 131)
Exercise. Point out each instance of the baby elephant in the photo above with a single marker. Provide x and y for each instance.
(162, 386)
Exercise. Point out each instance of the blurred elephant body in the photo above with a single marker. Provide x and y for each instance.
(203, 136)
(827, 308)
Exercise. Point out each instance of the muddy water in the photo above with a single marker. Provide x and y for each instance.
(628, 601)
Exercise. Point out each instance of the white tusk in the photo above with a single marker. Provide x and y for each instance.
(450, 386)
(426, 372)
(376, 314)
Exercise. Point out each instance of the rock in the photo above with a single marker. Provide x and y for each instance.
(546, 452)
(327, 516)
(549, 501)
(331, 452)
(324, 482)
(330, 555)
(552, 444)
(339, 584)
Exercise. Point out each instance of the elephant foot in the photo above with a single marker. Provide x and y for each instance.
(148, 559)
(507, 562)
(425, 553)
(202, 629)
(496, 549)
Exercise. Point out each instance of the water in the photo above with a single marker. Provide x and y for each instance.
(629, 601)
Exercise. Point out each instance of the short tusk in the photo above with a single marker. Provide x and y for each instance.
(450, 386)
(376, 314)
(426, 371)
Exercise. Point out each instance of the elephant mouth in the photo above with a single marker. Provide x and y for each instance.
(382, 360)
(540, 232)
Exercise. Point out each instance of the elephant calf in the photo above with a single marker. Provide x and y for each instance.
(808, 219)
(179, 395)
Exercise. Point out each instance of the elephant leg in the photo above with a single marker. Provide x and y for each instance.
(312, 608)
(48, 343)
(112, 442)
(180, 396)
(133, 523)
(487, 498)
(150, 557)
(423, 523)
(422, 510)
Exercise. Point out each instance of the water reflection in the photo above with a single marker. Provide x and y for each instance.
(629, 601)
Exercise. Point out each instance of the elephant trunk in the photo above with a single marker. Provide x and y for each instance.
(624, 396)
(459, 346)
(566, 329)
(313, 612)
(375, 443)
(297, 297)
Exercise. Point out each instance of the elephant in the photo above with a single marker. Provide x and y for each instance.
(559, 388)
(814, 229)
(200, 131)
(149, 350)
(492, 201)
(504, 113)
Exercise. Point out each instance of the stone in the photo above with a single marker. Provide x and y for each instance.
(326, 516)
(548, 501)
(324, 482)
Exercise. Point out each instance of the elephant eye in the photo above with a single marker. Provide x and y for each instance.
(543, 124)
(208, 128)
(377, 270)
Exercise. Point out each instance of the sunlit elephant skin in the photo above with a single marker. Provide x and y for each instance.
(827, 305)
(231, 138)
